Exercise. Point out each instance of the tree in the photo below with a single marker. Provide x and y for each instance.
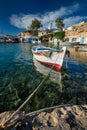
(36, 24)
(59, 23)
(60, 35)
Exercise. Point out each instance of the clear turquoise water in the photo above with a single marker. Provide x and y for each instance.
(18, 79)
(17, 74)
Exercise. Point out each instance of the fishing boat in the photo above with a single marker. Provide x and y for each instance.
(49, 56)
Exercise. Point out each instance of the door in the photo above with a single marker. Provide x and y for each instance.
(82, 40)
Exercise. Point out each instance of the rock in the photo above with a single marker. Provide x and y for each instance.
(53, 119)
(61, 118)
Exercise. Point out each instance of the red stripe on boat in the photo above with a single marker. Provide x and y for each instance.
(55, 66)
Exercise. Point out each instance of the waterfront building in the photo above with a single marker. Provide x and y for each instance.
(42, 33)
(77, 33)
(32, 35)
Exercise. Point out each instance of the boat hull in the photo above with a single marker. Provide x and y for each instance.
(55, 59)
(57, 67)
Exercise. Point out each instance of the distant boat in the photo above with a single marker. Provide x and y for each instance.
(49, 56)
(68, 44)
(59, 43)
(82, 48)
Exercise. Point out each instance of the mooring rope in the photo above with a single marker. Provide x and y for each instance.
(48, 108)
(8, 120)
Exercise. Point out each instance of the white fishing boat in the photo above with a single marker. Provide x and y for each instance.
(49, 56)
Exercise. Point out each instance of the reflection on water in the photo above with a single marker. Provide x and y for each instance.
(54, 75)
(25, 56)
(78, 55)
(76, 73)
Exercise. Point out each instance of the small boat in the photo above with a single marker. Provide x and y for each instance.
(59, 43)
(49, 56)
(68, 44)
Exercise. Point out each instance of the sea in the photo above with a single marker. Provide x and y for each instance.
(20, 74)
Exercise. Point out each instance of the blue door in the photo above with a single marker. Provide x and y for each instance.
(82, 40)
(30, 40)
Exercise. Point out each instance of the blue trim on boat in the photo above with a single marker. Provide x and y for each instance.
(42, 48)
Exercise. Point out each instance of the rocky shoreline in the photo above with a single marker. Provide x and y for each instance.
(64, 117)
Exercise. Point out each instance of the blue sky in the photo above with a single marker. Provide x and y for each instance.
(16, 15)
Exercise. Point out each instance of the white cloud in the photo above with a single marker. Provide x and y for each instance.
(24, 20)
(74, 20)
